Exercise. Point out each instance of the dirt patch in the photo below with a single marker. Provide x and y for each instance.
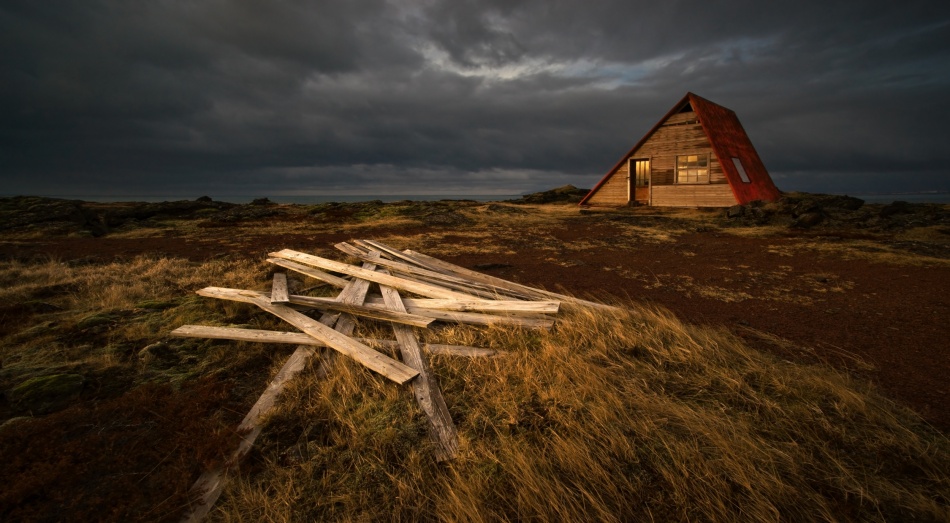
(140, 452)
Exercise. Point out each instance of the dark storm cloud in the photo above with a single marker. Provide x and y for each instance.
(240, 97)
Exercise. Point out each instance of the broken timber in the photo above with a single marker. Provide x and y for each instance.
(448, 293)
(425, 388)
(384, 365)
(298, 338)
(211, 484)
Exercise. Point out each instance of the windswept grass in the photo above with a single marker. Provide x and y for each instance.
(615, 417)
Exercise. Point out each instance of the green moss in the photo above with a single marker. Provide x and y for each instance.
(95, 320)
(46, 393)
(156, 305)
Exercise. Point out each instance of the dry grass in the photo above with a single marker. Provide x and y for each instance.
(626, 416)
(615, 417)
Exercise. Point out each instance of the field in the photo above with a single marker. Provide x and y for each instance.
(785, 361)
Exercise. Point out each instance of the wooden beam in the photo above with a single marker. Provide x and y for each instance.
(517, 287)
(426, 387)
(299, 338)
(429, 272)
(279, 292)
(352, 250)
(423, 289)
(336, 281)
(475, 318)
(376, 313)
(373, 360)
(471, 318)
(496, 306)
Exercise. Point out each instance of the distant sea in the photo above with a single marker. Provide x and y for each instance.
(304, 200)
(942, 197)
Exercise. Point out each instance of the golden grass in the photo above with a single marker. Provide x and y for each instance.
(617, 417)
(611, 416)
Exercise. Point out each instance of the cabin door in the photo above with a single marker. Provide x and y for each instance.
(640, 181)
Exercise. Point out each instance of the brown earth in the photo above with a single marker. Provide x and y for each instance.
(804, 295)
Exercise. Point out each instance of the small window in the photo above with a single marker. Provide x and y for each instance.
(641, 170)
(692, 168)
(741, 169)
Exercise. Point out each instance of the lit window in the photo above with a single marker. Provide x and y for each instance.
(641, 170)
(741, 169)
(692, 168)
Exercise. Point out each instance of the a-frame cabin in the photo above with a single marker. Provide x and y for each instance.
(698, 155)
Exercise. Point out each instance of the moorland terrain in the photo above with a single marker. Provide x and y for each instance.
(814, 289)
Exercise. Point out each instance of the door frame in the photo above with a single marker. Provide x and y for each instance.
(632, 178)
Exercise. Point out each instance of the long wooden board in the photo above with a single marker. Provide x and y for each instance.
(424, 289)
(426, 387)
(477, 276)
(299, 338)
(370, 358)
(475, 318)
(425, 275)
(471, 318)
(336, 281)
(496, 306)
(374, 312)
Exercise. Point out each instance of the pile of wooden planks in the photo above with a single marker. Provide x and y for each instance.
(441, 292)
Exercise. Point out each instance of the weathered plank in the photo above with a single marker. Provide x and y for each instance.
(497, 306)
(370, 358)
(475, 318)
(517, 287)
(346, 248)
(278, 291)
(299, 338)
(211, 483)
(426, 387)
(425, 272)
(375, 313)
(336, 281)
(395, 254)
(354, 293)
(423, 289)
(471, 318)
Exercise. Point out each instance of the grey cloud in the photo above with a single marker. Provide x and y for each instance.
(291, 96)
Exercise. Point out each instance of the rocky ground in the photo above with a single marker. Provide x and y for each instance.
(815, 278)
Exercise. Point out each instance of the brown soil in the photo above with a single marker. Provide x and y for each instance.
(883, 321)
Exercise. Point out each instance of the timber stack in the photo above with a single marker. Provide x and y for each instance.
(414, 290)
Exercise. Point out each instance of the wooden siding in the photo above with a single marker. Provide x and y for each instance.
(615, 191)
(680, 134)
(698, 195)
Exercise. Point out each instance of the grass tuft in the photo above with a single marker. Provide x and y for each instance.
(612, 416)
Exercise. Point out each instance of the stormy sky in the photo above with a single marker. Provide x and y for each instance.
(219, 97)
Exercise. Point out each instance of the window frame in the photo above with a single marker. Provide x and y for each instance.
(743, 174)
(705, 167)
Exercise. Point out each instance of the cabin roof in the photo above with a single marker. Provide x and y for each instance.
(728, 140)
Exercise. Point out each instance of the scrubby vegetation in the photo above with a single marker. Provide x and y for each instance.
(632, 415)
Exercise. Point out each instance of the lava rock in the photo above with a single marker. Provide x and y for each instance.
(808, 220)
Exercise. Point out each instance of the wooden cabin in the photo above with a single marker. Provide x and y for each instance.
(698, 155)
